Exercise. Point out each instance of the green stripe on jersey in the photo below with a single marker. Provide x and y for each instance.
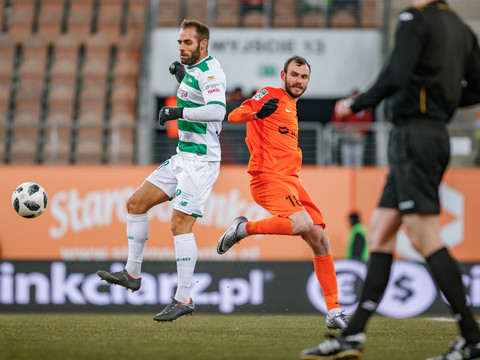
(199, 149)
(194, 127)
(217, 102)
(187, 104)
(203, 66)
(191, 81)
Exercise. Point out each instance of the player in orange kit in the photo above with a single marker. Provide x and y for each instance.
(275, 160)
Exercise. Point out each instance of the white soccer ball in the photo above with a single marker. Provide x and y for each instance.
(29, 200)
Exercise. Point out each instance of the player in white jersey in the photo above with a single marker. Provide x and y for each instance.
(186, 178)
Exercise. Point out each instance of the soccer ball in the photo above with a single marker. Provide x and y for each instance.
(29, 200)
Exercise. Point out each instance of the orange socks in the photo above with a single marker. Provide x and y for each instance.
(275, 226)
(325, 271)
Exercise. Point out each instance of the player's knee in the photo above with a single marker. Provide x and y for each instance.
(134, 206)
(302, 227)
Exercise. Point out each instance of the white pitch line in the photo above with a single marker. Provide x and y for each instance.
(443, 319)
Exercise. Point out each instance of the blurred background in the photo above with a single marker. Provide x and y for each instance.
(81, 83)
(76, 84)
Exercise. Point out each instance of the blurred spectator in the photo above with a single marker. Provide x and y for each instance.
(357, 247)
(304, 6)
(353, 134)
(235, 99)
(476, 135)
(251, 5)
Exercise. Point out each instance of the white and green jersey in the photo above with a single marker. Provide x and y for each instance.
(202, 94)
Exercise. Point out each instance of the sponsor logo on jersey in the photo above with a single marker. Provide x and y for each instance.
(210, 78)
(260, 94)
(213, 90)
(211, 86)
(285, 130)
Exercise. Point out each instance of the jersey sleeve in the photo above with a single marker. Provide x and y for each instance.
(409, 39)
(244, 113)
(471, 92)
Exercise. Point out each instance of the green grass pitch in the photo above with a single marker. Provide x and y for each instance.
(204, 336)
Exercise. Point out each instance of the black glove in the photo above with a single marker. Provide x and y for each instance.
(268, 108)
(178, 70)
(167, 113)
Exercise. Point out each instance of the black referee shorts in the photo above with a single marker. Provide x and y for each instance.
(418, 153)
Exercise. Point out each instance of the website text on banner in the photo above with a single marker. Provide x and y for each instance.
(85, 216)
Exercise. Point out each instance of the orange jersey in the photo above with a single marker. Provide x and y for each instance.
(273, 141)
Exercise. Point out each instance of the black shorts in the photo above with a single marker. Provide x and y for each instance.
(418, 153)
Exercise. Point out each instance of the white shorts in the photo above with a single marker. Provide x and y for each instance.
(188, 182)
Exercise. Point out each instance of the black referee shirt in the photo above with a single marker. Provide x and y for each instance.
(434, 67)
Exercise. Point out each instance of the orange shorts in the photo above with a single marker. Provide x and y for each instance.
(283, 195)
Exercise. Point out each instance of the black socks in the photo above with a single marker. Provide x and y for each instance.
(449, 279)
(373, 289)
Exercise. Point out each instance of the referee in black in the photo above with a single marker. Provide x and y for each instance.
(434, 69)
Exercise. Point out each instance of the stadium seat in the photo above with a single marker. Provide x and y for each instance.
(110, 17)
(89, 146)
(342, 19)
(33, 66)
(371, 14)
(137, 12)
(312, 14)
(3, 137)
(7, 54)
(80, 17)
(254, 19)
(121, 145)
(4, 97)
(313, 20)
(128, 55)
(20, 20)
(50, 19)
(91, 117)
(168, 13)
(124, 99)
(57, 139)
(93, 93)
(56, 150)
(226, 14)
(284, 14)
(23, 147)
(197, 9)
(95, 72)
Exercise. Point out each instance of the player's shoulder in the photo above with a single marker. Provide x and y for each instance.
(268, 93)
(210, 70)
(409, 14)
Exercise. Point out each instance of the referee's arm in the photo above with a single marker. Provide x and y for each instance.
(471, 92)
(406, 52)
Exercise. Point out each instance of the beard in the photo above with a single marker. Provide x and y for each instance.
(193, 57)
(288, 90)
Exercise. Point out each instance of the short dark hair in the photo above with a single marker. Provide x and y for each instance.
(354, 218)
(298, 60)
(203, 31)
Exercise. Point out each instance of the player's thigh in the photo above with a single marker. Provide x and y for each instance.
(308, 204)
(145, 197)
(383, 228)
(276, 194)
(195, 183)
